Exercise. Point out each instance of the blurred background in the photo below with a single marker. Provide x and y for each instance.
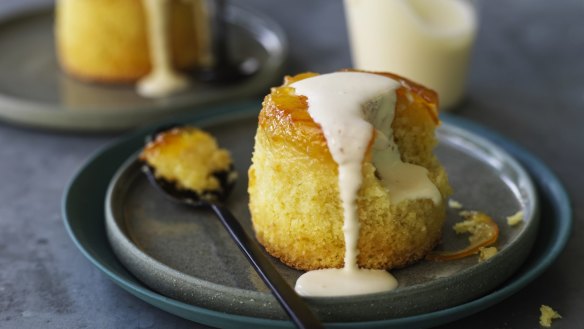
(525, 81)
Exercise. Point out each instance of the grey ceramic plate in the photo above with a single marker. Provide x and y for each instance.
(186, 254)
(33, 91)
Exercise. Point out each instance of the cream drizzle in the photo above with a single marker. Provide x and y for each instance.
(404, 181)
(349, 107)
(163, 79)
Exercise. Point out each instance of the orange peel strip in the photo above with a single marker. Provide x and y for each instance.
(483, 232)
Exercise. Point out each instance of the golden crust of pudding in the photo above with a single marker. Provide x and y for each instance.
(188, 157)
(294, 195)
(106, 40)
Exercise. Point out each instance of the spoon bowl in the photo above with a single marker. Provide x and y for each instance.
(292, 304)
(188, 196)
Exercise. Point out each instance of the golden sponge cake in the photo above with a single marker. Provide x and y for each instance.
(294, 194)
(192, 160)
(106, 40)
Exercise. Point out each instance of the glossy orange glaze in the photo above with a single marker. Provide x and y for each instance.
(429, 96)
(173, 142)
(285, 118)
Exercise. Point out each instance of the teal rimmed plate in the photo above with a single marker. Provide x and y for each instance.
(84, 218)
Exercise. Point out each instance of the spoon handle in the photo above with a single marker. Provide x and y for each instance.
(297, 310)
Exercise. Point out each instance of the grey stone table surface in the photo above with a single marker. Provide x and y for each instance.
(526, 82)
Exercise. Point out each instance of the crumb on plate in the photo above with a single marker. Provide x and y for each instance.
(547, 315)
(515, 219)
(453, 204)
(486, 253)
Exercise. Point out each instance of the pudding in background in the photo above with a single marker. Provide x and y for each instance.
(113, 41)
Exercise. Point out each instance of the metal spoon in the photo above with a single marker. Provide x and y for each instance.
(294, 306)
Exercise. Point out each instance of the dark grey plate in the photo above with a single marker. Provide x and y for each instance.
(186, 254)
(34, 91)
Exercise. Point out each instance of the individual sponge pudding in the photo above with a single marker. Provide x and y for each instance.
(294, 184)
(107, 40)
(190, 159)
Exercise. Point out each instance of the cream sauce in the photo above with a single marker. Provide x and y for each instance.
(404, 181)
(344, 282)
(352, 108)
(163, 79)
